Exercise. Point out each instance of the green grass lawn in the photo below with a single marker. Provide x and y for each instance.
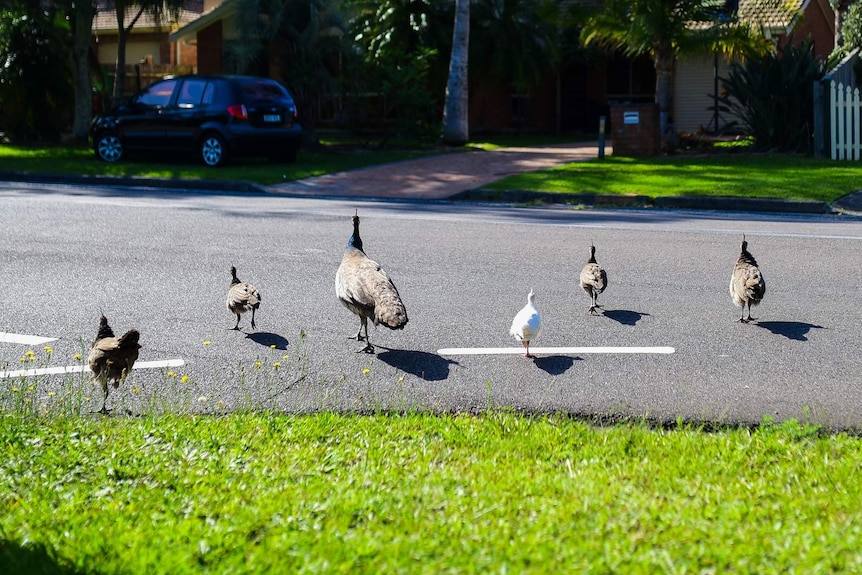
(736, 175)
(422, 493)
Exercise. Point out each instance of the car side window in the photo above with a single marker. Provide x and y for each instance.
(157, 95)
(209, 93)
(191, 93)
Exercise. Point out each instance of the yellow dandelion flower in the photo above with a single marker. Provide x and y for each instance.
(272, 346)
(202, 399)
(171, 374)
(15, 389)
(88, 398)
(257, 364)
(30, 353)
(135, 390)
(285, 356)
(220, 403)
(31, 388)
(49, 350)
(76, 357)
(207, 342)
(52, 393)
(276, 365)
(184, 379)
(22, 359)
(366, 370)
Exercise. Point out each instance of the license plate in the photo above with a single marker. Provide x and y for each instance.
(272, 117)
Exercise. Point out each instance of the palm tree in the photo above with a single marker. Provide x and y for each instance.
(666, 30)
(456, 130)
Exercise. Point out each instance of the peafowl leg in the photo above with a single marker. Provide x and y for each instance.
(526, 345)
(252, 318)
(362, 323)
(237, 322)
(104, 382)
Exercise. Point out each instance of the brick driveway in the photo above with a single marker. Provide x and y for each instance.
(439, 176)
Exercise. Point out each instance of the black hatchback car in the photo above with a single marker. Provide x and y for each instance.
(215, 117)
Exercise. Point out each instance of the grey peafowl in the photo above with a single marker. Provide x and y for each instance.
(111, 357)
(527, 324)
(242, 297)
(747, 286)
(366, 289)
(594, 280)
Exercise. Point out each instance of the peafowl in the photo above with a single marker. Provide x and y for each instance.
(111, 357)
(242, 297)
(366, 289)
(747, 285)
(527, 324)
(594, 280)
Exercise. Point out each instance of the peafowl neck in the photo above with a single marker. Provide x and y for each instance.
(355, 241)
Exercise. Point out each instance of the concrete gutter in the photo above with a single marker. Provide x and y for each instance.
(845, 205)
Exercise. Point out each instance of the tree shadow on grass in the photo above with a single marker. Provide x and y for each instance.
(424, 365)
(33, 559)
(625, 316)
(268, 339)
(795, 330)
(555, 364)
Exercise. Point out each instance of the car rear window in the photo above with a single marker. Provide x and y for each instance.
(263, 90)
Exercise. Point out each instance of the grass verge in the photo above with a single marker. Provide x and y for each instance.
(422, 493)
(733, 175)
(81, 161)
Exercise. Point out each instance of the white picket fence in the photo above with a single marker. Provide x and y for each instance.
(845, 106)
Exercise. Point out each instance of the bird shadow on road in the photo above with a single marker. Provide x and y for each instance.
(555, 364)
(795, 330)
(625, 316)
(424, 365)
(268, 339)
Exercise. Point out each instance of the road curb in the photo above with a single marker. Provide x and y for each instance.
(637, 201)
(131, 181)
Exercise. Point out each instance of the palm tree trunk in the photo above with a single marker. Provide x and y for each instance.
(456, 129)
(83, 111)
(664, 65)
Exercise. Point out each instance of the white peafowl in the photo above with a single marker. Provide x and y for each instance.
(242, 297)
(367, 290)
(594, 280)
(111, 357)
(527, 324)
(747, 285)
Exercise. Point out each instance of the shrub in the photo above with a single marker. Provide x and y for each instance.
(773, 98)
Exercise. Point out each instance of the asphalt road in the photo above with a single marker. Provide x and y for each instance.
(159, 260)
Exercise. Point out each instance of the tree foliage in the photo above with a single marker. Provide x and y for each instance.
(35, 78)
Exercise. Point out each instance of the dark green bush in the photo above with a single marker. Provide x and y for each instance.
(772, 97)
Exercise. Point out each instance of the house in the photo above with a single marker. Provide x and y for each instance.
(779, 21)
(149, 52)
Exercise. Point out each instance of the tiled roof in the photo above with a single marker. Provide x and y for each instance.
(772, 14)
(106, 18)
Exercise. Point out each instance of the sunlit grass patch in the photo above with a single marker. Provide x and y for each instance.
(736, 175)
(499, 492)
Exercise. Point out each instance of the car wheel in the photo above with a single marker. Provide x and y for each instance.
(108, 147)
(213, 150)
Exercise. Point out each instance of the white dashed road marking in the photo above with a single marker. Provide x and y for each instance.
(551, 350)
(83, 368)
(24, 339)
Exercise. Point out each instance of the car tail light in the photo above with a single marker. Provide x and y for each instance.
(238, 111)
